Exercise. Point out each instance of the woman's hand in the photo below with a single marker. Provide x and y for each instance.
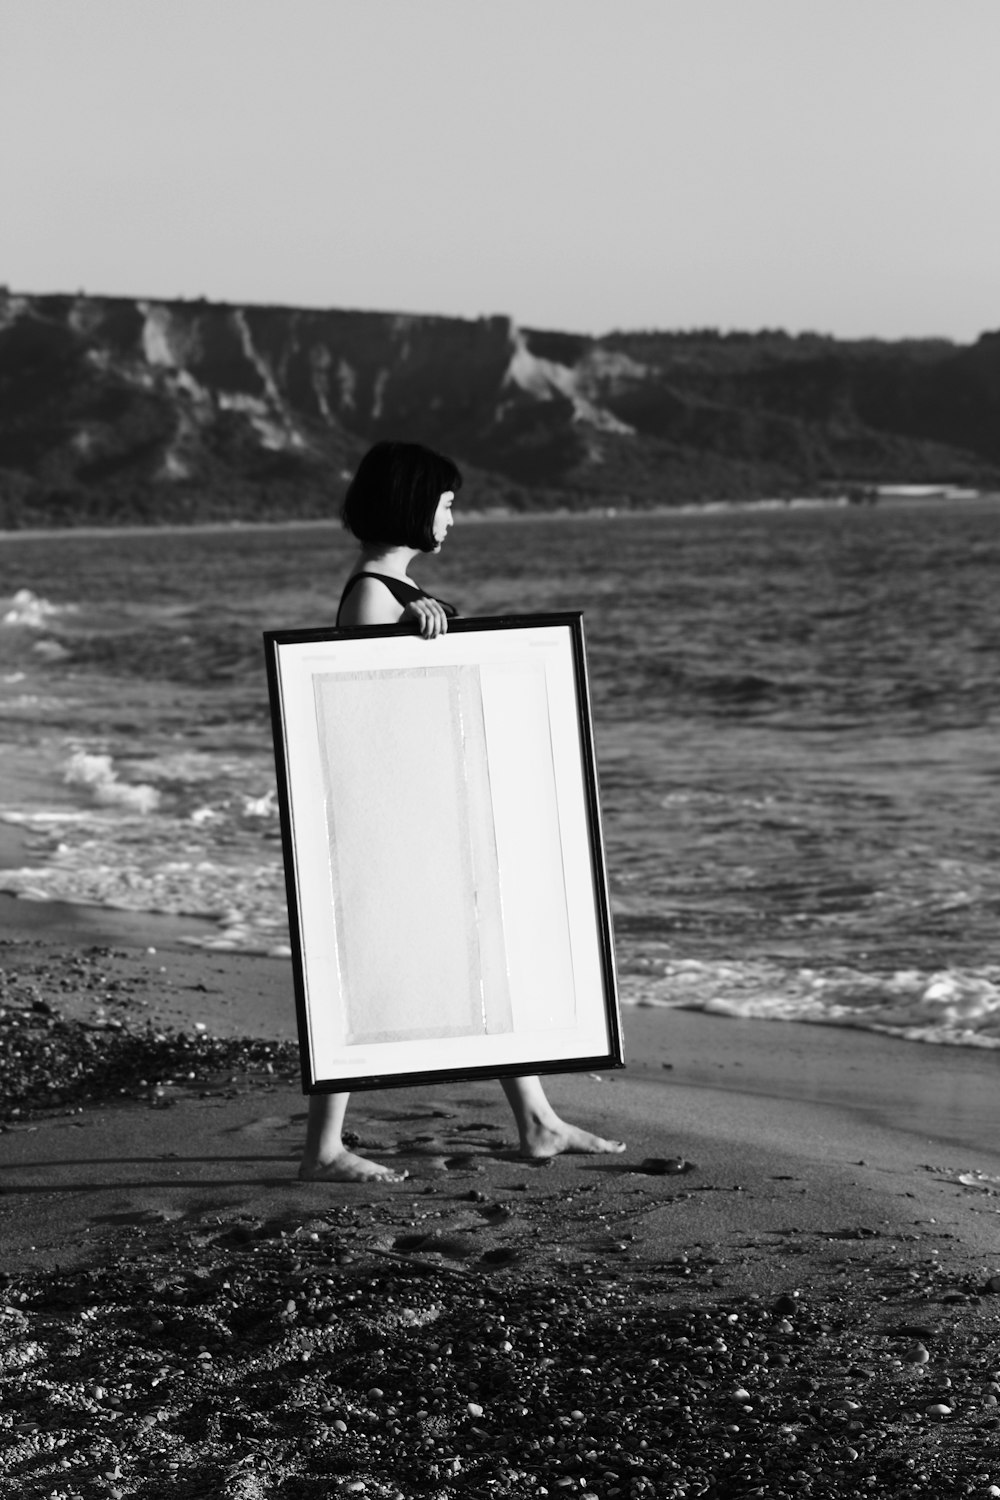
(429, 616)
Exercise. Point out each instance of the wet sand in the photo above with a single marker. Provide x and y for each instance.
(209, 1324)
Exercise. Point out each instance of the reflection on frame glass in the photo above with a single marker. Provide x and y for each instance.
(447, 895)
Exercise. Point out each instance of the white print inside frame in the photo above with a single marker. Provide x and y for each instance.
(442, 847)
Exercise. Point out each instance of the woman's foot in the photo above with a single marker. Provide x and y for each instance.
(346, 1167)
(539, 1141)
(542, 1134)
(326, 1158)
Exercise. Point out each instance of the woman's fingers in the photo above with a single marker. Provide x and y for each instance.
(430, 617)
(435, 620)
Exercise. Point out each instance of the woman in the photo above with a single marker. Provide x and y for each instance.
(398, 505)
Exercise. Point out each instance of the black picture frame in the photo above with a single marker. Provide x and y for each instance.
(447, 891)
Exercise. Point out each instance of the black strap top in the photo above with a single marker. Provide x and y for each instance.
(404, 593)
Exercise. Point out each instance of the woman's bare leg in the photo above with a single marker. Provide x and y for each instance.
(541, 1131)
(326, 1158)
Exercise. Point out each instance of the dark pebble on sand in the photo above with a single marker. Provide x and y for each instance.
(664, 1166)
(110, 1063)
(532, 1380)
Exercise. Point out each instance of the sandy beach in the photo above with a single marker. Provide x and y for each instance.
(830, 1196)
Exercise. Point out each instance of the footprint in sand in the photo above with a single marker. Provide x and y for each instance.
(502, 1255)
(423, 1145)
(140, 1216)
(437, 1155)
(415, 1116)
(262, 1126)
(454, 1246)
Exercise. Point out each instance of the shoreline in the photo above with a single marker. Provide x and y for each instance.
(608, 511)
(694, 1082)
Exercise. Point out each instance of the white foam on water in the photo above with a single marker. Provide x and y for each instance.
(221, 861)
(956, 1007)
(108, 864)
(136, 846)
(96, 773)
(194, 833)
(28, 610)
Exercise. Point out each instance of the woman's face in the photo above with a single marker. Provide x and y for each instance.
(443, 517)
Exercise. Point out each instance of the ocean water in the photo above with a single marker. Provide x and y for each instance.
(796, 714)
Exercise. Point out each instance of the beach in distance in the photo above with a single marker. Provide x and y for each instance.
(795, 714)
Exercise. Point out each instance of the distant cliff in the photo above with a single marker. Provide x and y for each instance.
(115, 409)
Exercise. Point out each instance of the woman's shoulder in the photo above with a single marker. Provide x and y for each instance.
(366, 593)
(400, 588)
(367, 589)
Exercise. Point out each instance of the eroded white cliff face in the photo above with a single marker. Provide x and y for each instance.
(610, 372)
(544, 379)
(254, 357)
(163, 344)
(347, 381)
(306, 381)
(13, 308)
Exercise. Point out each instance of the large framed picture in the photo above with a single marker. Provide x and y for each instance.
(447, 892)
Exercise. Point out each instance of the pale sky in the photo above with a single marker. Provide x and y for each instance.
(578, 164)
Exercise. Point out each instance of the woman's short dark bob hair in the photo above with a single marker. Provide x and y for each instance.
(392, 499)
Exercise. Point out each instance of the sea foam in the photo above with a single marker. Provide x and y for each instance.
(27, 609)
(957, 1007)
(96, 773)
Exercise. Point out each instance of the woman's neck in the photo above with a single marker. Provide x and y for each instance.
(391, 560)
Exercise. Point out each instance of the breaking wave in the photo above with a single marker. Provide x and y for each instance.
(28, 610)
(955, 1007)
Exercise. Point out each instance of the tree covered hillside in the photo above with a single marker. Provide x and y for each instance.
(120, 409)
